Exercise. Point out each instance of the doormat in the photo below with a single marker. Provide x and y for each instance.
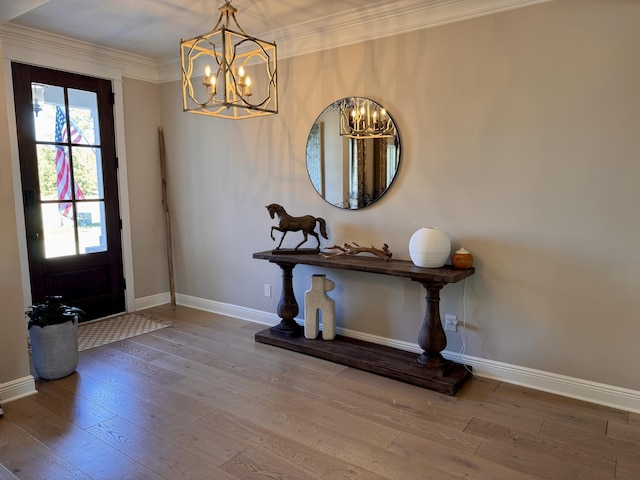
(109, 330)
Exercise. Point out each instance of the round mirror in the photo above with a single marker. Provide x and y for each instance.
(353, 152)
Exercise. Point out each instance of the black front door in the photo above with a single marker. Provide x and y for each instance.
(68, 166)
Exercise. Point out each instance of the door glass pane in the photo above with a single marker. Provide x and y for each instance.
(83, 110)
(87, 171)
(44, 115)
(58, 230)
(92, 234)
(47, 171)
(69, 168)
(54, 174)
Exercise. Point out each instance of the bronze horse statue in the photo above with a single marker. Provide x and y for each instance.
(306, 224)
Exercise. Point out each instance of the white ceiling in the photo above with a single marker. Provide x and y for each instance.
(153, 28)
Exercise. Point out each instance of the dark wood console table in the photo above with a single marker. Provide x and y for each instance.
(429, 369)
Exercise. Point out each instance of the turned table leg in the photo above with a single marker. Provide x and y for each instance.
(432, 338)
(287, 306)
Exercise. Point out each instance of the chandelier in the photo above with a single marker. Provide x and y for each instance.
(363, 118)
(216, 68)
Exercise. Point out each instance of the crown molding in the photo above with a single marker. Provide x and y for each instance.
(47, 49)
(337, 30)
(391, 18)
(361, 25)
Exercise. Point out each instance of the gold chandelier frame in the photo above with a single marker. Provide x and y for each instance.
(216, 68)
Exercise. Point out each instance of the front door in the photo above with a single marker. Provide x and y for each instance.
(68, 166)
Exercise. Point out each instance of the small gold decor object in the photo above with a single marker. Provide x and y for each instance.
(462, 259)
(216, 68)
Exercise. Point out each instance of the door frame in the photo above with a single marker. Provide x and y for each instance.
(83, 67)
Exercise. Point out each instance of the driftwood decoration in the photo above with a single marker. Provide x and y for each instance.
(167, 217)
(353, 249)
(287, 223)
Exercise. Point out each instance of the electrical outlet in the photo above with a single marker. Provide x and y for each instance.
(451, 323)
(267, 290)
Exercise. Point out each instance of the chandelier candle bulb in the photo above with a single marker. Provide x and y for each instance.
(209, 82)
(241, 76)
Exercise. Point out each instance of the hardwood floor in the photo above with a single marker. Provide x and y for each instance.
(202, 400)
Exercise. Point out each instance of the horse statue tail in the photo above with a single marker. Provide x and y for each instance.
(323, 227)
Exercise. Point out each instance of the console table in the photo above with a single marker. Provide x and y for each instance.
(429, 369)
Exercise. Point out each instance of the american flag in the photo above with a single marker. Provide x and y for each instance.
(63, 166)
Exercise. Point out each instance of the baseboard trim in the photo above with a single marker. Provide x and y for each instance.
(18, 388)
(152, 301)
(593, 392)
(242, 313)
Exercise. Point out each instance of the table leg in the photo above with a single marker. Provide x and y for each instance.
(288, 306)
(432, 338)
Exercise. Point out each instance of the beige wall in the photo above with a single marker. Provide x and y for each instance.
(520, 138)
(142, 119)
(14, 361)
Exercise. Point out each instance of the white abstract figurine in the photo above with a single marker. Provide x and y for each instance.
(316, 300)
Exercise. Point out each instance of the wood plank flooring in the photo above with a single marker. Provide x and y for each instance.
(202, 400)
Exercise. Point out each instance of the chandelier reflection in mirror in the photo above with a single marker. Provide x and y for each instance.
(351, 172)
(361, 118)
(216, 67)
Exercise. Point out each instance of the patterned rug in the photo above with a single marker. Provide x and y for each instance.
(101, 332)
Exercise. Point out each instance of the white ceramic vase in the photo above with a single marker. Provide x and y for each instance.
(429, 247)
